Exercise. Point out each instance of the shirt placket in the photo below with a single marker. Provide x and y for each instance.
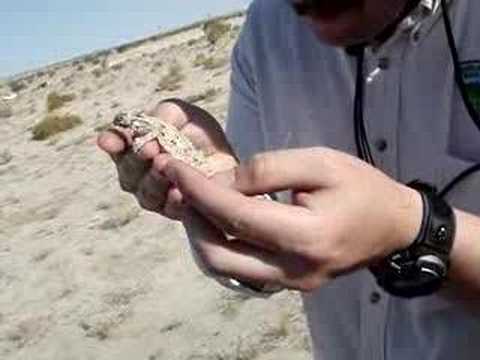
(381, 115)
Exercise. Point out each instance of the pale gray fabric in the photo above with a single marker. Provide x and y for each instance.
(289, 91)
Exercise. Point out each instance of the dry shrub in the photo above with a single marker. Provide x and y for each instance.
(172, 80)
(53, 124)
(56, 101)
(5, 111)
(215, 29)
(117, 67)
(206, 96)
(17, 85)
(98, 72)
(212, 63)
(199, 60)
(209, 62)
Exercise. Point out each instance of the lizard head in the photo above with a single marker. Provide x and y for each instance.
(135, 121)
(123, 120)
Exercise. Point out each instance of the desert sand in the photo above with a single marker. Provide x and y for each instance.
(84, 272)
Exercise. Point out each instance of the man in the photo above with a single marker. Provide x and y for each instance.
(293, 83)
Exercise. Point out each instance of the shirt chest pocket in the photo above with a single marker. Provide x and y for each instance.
(464, 140)
(464, 134)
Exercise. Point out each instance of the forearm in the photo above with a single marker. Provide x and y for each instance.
(464, 275)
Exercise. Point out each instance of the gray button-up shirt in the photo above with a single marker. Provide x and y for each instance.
(289, 90)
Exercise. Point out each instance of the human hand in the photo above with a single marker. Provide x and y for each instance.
(135, 171)
(344, 215)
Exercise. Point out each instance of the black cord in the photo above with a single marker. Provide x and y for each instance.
(363, 148)
(464, 174)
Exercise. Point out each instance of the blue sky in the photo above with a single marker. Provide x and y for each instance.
(34, 33)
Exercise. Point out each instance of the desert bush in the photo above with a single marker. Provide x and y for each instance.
(5, 111)
(56, 101)
(212, 63)
(157, 64)
(5, 157)
(117, 67)
(17, 85)
(199, 60)
(206, 96)
(98, 72)
(215, 29)
(53, 124)
(192, 42)
(172, 80)
(209, 62)
(102, 127)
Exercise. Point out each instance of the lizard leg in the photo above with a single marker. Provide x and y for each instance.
(139, 142)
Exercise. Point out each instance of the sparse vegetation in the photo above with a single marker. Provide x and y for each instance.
(53, 124)
(5, 157)
(98, 72)
(102, 127)
(17, 85)
(56, 101)
(192, 42)
(212, 63)
(157, 64)
(121, 216)
(209, 62)
(117, 67)
(206, 96)
(215, 29)
(86, 91)
(5, 111)
(199, 60)
(172, 80)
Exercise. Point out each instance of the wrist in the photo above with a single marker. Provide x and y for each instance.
(408, 218)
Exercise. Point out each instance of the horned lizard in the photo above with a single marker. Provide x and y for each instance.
(146, 128)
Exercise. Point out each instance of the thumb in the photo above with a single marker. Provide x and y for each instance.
(294, 169)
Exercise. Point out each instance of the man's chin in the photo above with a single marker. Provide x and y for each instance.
(337, 38)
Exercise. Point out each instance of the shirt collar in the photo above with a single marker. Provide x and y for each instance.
(431, 5)
(424, 9)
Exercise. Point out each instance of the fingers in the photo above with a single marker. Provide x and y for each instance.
(267, 224)
(155, 192)
(299, 169)
(219, 257)
(114, 141)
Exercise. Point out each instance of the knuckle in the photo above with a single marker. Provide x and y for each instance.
(237, 227)
(169, 107)
(261, 167)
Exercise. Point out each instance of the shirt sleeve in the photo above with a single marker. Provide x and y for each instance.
(243, 124)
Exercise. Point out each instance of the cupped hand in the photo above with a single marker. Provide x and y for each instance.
(141, 174)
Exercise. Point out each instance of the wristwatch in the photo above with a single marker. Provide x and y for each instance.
(422, 268)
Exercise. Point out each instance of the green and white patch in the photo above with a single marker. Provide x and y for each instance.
(471, 77)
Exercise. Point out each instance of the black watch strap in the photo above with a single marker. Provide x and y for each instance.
(421, 269)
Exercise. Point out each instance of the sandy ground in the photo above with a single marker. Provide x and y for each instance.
(84, 272)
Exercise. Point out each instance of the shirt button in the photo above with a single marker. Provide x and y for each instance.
(384, 63)
(381, 145)
(375, 297)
